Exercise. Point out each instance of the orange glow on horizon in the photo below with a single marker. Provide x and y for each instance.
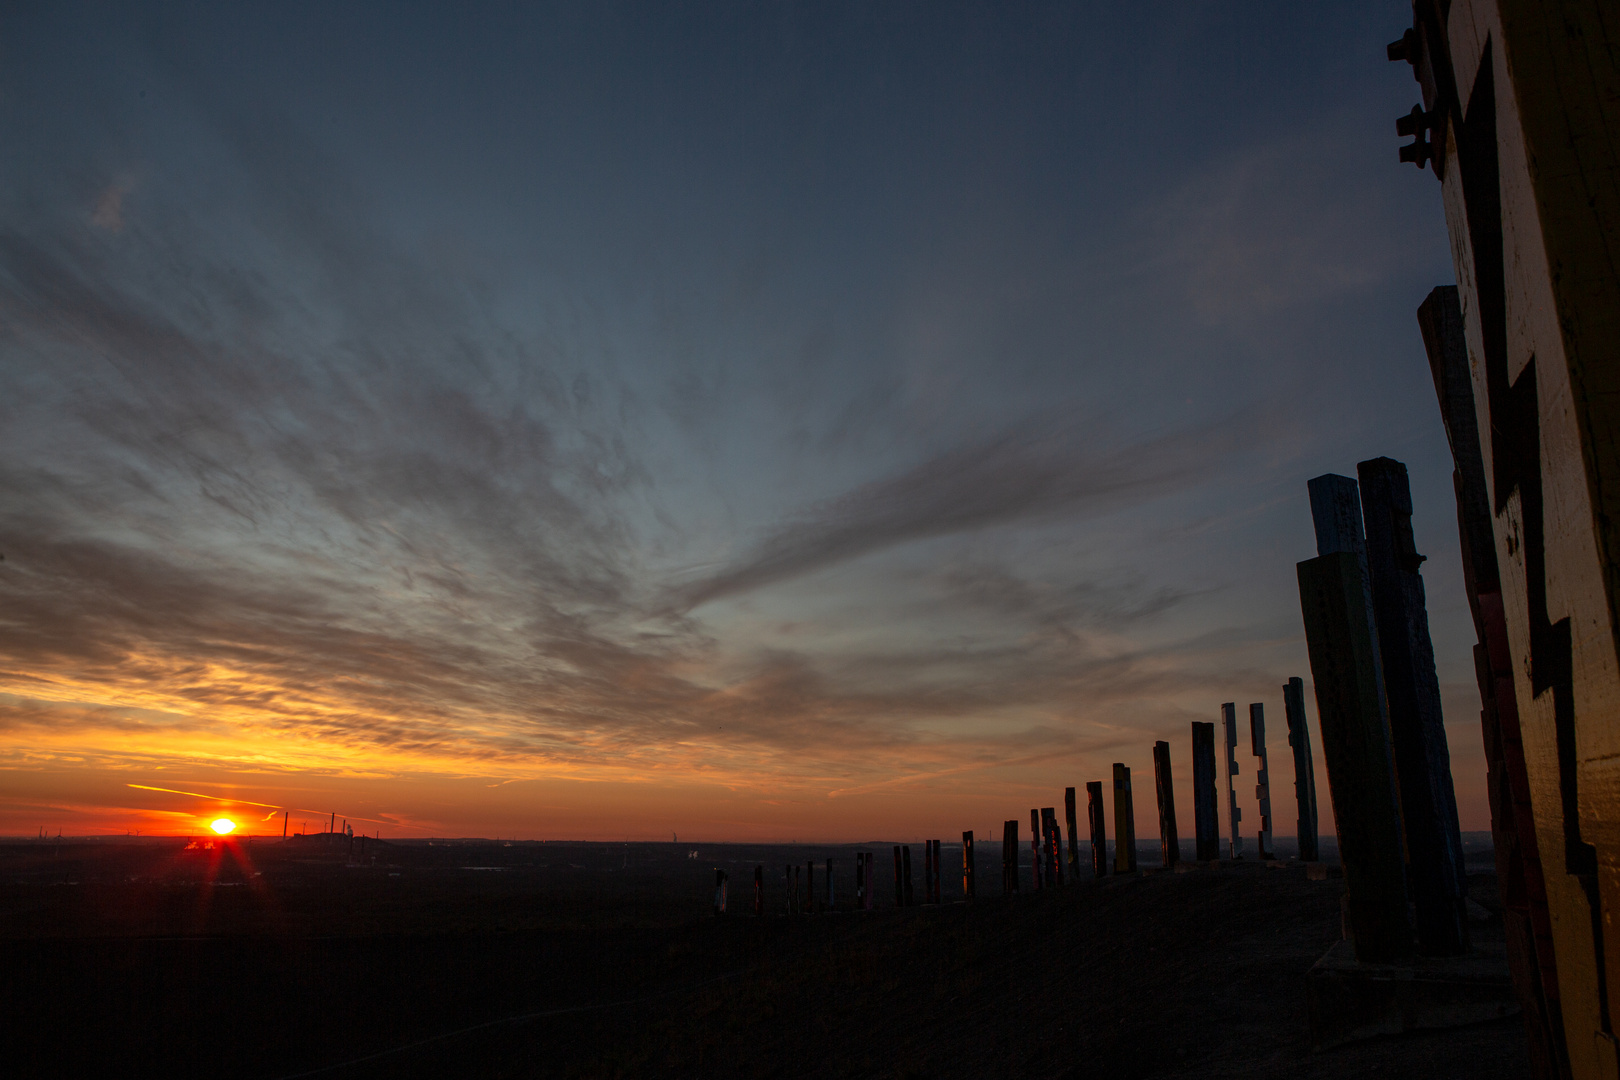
(223, 826)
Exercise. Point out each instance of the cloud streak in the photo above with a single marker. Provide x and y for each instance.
(1010, 478)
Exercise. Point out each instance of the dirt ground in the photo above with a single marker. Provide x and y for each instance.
(603, 961)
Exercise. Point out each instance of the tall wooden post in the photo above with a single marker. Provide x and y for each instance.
(1169, 842)
(1035, 868)
(810, 887)
(1009, 857)
(860, 881)
(1099, 828)
(1124, 822)
(905, 859)
(1233, 813)
(927, 871)
(1051, 846)
(284, 824)
(899, 881)
(939, 875)
(759, 891)
(1355, 747)
(1074, 839)
(829, 886)
(1206, 813)
(1299, 738)
(1435, 875)
(1520, 872)
(1262, 776)
(968, 890)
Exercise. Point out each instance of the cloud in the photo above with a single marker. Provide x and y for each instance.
(109, 209)
(1014, 476)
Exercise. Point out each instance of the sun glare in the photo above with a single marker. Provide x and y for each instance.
(223, 825)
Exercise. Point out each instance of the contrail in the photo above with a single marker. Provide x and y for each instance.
(272, 806)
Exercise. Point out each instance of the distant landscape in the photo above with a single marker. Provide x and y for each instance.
(559, 959)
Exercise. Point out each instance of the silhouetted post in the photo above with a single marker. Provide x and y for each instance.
(1035, 875)
(1074, 839)
(939, 876)
(1051, 847)
(1233, 814)
(928, 871)
(1169, 843)
(871, 883)
(1206, 815)
(1124, 822)
(284, 825)
(1355, 743)
(810, 887)
(899, 884)
(967, 866)
(1099, 828)
(1299, 737)
(1262, 776)
(1008, 857)
(829, 886)
(1436, 878)
(719, 891)
(759, 892)
(905, 858)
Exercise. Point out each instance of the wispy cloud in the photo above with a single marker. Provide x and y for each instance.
(1012, 477)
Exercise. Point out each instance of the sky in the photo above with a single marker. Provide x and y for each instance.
(758, 421)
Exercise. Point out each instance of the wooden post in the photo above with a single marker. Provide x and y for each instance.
(1520, 871)
(899, 883)
(1206, 815)
(1262, 776)
(810, 887)
(1233, 814)
(829, 886)
(284, 824)
(905, 858)
(1299, 737)
(759, 891)
(1099, 828)
(1051, 846)
(928, 871)
(939, 875)
(1037, 879)
(967, 866)
(871, 883)
(719, 891)
(1009, 857)
(1124, 822)
(1074, 839)
(1169, 842)
(1435, 875)
(1355, 747)
(860, 881)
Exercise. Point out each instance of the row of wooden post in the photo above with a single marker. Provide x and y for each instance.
(1046, 833)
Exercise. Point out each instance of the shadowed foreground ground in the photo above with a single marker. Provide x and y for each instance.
(307, 965)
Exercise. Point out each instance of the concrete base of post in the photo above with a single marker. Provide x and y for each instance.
(1350, 1001)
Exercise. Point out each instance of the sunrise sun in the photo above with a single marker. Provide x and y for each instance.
(223, 825)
